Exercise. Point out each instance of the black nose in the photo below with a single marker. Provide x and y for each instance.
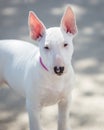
(58, 70)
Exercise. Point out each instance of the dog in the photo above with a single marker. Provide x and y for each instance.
(44, 74)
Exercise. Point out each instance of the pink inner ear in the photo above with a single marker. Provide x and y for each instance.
(36, 27)
(68, 21)
(70, 27)
(35, 33)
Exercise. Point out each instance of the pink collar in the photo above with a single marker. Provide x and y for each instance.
(42, 64)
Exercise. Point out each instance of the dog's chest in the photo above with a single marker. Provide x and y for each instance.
(53, 92)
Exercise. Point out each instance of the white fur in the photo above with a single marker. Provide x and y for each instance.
(21, 70)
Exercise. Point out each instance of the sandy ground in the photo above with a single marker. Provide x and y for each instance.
(87, 110)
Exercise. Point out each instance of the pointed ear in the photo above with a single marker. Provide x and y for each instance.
(68, 22)
(37, 28)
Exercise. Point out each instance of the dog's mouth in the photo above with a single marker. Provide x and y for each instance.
(59, 74)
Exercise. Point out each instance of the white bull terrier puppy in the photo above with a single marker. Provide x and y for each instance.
(44, 75)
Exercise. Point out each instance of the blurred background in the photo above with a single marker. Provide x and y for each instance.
(87, 110)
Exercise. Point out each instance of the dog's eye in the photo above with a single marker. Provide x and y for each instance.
(46, 47)
(65, 44)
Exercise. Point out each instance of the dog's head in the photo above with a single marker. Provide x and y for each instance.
(56, 43)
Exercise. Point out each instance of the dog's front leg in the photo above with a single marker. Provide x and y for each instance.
(63, 117)
(34, 117)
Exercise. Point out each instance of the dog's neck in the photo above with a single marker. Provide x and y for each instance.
(42, 64)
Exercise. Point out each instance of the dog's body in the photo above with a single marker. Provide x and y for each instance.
(20, 63)
(44, 75)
